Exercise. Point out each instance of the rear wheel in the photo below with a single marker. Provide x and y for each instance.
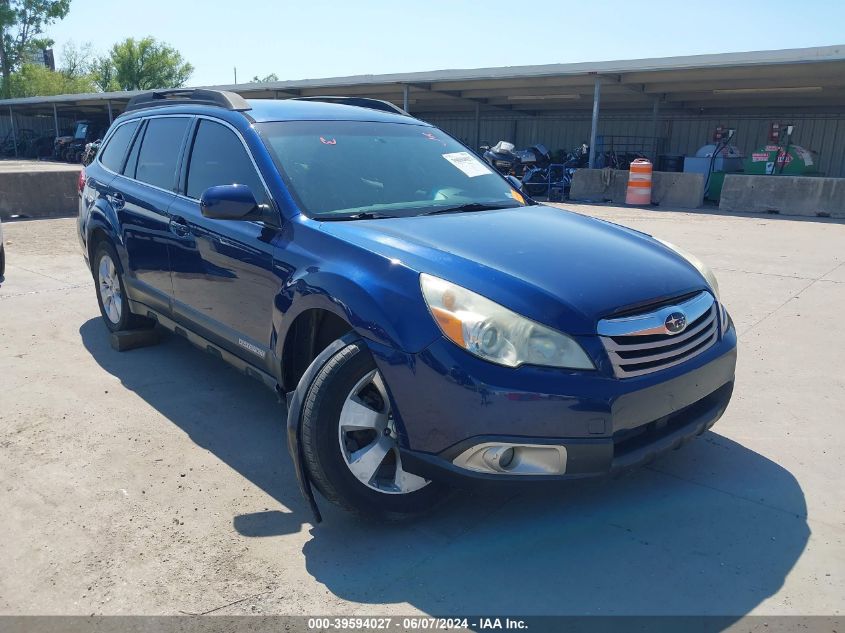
(350, 441)
(111, 292)
(536, 184)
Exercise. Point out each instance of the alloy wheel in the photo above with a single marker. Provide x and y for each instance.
(368, 440)
(109, 287)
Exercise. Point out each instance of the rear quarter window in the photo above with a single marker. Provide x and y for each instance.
(114, 152)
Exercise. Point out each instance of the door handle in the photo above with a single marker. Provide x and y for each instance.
(179, 226)
(116, 199)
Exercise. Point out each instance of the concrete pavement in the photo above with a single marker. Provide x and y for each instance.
(157, 481)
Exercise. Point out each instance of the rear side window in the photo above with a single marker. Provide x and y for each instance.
(160, 151)
(219, 158)
(114, 153)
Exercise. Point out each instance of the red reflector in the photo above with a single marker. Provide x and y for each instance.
(81, 183)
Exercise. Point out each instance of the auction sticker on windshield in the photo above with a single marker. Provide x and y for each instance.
(467, 163)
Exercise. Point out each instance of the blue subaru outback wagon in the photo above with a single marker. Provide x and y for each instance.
(426, 323)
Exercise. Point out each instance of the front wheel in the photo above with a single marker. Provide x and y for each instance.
(350, 441)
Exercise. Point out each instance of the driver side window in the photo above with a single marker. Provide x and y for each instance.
(219, 158)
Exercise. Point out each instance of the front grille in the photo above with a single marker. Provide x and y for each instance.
(641, 344)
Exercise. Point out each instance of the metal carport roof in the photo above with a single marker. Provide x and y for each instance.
(803, 78)
(806, 80)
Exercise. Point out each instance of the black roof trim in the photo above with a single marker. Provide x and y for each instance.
(188, 96)
(361, 102)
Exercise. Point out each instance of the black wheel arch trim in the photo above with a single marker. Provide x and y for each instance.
(296, 401)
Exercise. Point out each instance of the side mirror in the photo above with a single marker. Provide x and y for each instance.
(228, 202)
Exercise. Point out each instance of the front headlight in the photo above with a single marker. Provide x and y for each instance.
(494, 333)
(703, 268)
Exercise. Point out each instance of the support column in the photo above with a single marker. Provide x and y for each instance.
(655, 112)
(595, 124)
(108, 103)
(14, 133)
(406, 102)
(56, 119)
(477, 132)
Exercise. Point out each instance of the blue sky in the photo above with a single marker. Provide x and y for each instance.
(317, 38)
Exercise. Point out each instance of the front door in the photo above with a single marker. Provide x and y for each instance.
(222, 270)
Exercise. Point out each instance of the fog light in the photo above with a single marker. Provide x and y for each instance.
(499, 457)
(514, 459)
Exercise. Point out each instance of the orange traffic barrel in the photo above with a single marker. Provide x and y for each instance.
(639, 182)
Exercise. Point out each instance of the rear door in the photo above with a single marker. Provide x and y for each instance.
(100, 173)
(223, 277)
(142, 195)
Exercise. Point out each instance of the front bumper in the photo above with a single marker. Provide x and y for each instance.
(447, 401)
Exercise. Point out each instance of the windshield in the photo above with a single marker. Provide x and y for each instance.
(81, 131)
(343, 169)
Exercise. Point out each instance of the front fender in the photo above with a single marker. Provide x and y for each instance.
(382, 306)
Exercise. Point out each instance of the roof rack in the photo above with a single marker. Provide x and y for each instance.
(361, 102)
(188, 96)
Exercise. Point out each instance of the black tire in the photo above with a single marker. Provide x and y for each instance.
(322, 452)
(126, 319)
(2, 261)
(536, 184)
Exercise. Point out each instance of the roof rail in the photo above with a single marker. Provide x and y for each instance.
(361, 102)
(188, 96)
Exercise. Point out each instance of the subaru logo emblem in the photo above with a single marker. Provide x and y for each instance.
(676, 322)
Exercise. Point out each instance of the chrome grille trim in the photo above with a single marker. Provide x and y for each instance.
(611, 346)
(653, 322)
(661, 349)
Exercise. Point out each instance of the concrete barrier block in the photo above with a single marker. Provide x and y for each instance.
(599, 185)
(38, 193)
(670, 189)
(676, 189)
(790, 195)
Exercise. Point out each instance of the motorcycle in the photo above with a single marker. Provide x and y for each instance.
(90, 152)
(555, 179)
(506, 159)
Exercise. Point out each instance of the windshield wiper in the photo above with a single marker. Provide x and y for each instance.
(471, 206)
(363, 215)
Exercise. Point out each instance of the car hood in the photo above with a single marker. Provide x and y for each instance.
(557, 267)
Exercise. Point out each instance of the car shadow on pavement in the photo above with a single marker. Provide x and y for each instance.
(234, 417)
(711, 529)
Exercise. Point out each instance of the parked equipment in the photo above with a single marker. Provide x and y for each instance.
(510, 161)
(71, 149)
(555, 179)
(719, 157)
(780, 156)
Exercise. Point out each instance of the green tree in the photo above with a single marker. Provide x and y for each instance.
(34, 80)
(265, 80)
(103, 74)
(146, 64)
(76, 61)
(21, 22)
